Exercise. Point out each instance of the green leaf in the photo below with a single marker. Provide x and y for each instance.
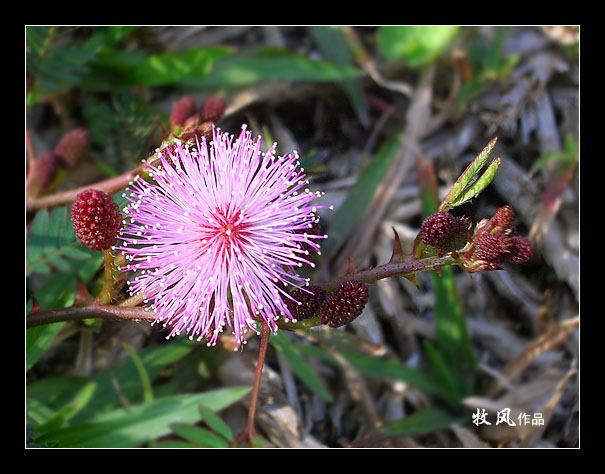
(118, 70)
(52, 243)
(417, 45)
(467, 185)
(245, 69)
(174, 444)
(479, 185)
(299, 365)
(198, 435)
(121, 128)
(377, 367)
(215, 423)
(37, 340)
(359, 197)
(55, 391)
(137, 424)
(59, 291)
(372, 366)
(171, 68)
(440, 367)
(35, 244)
(419, 423)
(62, 416)
(52, 68)
(126, 377)
(37, 413)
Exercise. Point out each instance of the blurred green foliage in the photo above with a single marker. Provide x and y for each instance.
(417, 45)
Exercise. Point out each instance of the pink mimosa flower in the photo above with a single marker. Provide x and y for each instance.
(215, 240)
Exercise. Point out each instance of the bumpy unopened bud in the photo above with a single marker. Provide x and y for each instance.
(344, 304)
(521, 249)
(181, 111)
(445, 232)
(307, 304)
(496, 242)
(213, 109)
(96, 219)
(73, 147)
(502, 220)
(46, 167)
(493, 250)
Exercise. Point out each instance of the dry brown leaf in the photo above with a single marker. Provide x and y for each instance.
(554, 337)
(468, 438)
(547, 410)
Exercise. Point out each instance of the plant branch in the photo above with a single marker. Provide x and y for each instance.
(127, 310)
(109, 186)
(405, 268)
(74, 313)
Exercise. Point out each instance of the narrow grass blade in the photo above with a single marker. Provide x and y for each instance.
(143, 375)
(199, 436)
(216, 423)
(299, 365)
(421, 422)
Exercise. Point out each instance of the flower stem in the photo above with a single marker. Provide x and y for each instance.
(249, 433)
(104, 296)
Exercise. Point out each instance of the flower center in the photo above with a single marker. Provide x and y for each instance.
(229, 230)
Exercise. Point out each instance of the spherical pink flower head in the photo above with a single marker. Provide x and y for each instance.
(217, 237)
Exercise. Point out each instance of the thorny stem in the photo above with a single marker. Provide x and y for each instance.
(126, 310)
(403, 268)
(249, 433)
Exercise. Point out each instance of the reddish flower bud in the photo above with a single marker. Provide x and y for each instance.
(344, 304)
(45, 171)
(181, 111)
(213, 109)
(503, 219)
(445, 232)
(490, 252)
(521, 249)
(307, 304)
(96, 219)
(73, 147)
(492, 249)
